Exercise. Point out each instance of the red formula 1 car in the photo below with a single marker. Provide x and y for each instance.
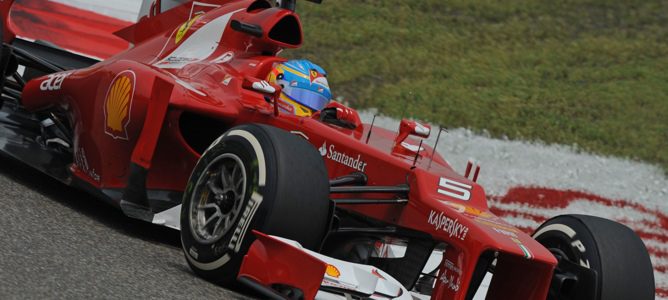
(182, 130)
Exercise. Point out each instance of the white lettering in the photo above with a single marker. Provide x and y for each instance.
(54, 81)
(451, 226)
(579, 245)
(454, 189)
(505, 232)
(244, 222)
(450, 282)
(356, 163)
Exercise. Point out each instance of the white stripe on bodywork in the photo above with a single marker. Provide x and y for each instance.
(187, 86)
(195, 4)
(199, 46)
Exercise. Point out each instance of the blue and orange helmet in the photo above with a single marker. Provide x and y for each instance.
(304, 87)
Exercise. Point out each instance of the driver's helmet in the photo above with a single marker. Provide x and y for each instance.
(304, 87)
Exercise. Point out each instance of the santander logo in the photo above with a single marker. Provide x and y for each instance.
(342, 158)
(323, 149)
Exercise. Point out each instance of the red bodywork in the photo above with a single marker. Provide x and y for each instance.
(129, 108)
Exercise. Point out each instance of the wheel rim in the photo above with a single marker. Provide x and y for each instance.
(559, 245)
(564, 283)
(217, 199)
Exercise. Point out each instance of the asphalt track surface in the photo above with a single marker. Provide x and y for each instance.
(60, 243)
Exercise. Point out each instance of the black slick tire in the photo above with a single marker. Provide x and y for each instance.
(286, 194)
(614, 251)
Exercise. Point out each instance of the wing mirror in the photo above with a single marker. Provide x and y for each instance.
(339, 115)
(408, 127)
(271, 91)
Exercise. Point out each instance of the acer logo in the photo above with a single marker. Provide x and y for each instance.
(54, 81)
(454, 189)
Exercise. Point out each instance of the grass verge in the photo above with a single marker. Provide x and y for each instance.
(590, 73)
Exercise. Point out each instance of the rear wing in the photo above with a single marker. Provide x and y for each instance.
(82, 27)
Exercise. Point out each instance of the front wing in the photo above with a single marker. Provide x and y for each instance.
(274, 263)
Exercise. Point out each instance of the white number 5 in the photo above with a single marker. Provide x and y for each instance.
(454, 189)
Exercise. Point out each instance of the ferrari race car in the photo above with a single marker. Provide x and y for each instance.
(182, 130)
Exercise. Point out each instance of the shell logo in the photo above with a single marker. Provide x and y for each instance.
(332, 271)
(118, 104)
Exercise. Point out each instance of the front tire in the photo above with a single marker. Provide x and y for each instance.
(253, 177)
(616, 254)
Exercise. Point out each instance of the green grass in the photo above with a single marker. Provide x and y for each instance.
(592, 73)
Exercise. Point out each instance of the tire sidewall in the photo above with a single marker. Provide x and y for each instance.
(221, 259)
(287, 194)
(613, 250)
(570, 231)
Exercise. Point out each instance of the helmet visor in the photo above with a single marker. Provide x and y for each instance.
(310, 99)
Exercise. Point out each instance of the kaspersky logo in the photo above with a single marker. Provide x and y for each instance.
(342, 158)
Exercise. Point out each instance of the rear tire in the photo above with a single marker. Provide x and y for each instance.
(614, 251)
(275, 182)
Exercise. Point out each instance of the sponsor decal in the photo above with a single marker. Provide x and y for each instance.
(54, 81)
(581, 247)
(452, 267)
(334, 283)
(314, 75)
(505, 232)
(184, 29)
(345, 159)
(451, 226)
(454, 189)
(249, 44)
(118, 105)
(318, 78)
(239, 232)
(177, 60)
(82, 163)
(451, 276)
(286, 107)
(332, 271)
(451, 282)
(193, 252)
(468, 210)
(227, 79)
